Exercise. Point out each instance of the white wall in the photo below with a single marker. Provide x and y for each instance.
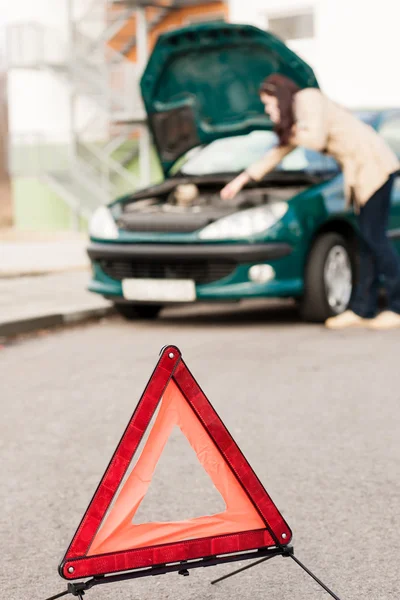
(355, 50)
(358, 44)
(39, 100)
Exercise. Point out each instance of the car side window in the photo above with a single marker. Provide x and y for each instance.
(390, 131)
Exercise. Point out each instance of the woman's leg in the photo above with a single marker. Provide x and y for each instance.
(365, 299)
(391, 265)
(373, 221)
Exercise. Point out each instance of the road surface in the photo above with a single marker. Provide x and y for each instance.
(315, 412)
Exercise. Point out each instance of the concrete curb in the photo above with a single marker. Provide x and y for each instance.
(16, 274)
(48, 321)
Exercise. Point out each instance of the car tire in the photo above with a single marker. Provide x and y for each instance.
(319, 301)
(133, 312)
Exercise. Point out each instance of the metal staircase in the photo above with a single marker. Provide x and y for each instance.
(161, 14)
(103, 85)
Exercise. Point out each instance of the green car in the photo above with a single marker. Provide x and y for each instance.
(289, 236)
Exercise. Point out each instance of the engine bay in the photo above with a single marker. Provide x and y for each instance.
(189, 207)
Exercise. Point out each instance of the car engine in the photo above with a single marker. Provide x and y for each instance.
(189, 207)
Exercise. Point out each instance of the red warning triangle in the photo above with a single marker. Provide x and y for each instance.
(108, 540)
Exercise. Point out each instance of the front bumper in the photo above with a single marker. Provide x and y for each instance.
(221, 271)
(187, 252)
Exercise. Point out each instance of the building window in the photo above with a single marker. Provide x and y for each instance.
(292, 26)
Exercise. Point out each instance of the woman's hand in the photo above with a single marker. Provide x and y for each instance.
(234, 186)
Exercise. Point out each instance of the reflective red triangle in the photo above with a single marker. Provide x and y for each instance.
(119, 532)
(107, 541)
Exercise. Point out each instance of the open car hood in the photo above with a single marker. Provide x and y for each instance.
(201, 83)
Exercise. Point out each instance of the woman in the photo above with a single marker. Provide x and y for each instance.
(308, 118)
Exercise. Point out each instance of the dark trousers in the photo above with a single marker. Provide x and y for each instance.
(377, 256)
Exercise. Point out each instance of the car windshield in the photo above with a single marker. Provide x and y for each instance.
(234, 154)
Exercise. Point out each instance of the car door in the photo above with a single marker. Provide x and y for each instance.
(390, 131)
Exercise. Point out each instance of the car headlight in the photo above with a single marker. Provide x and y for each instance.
(102, 225)
(245, 223)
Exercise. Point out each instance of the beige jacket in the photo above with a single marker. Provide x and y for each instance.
(322, 125)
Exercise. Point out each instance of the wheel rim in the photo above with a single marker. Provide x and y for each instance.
(338, 279)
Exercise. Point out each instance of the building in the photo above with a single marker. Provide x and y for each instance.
(77, 127)
(351, 44)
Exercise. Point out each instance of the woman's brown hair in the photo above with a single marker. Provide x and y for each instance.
(284, 90)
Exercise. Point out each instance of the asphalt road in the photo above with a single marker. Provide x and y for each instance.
(315, 412)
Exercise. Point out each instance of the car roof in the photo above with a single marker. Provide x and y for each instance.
(369, 116)
(373, 116)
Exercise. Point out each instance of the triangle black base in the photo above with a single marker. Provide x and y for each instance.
(78, 589)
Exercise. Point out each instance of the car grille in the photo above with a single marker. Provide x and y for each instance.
(200, 271)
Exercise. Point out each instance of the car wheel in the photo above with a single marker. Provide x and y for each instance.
(329, 279)
(138, 311)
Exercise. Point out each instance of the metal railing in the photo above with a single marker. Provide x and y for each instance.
(83, 165)
(114, 83)
(113, 177)
(34, 154)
